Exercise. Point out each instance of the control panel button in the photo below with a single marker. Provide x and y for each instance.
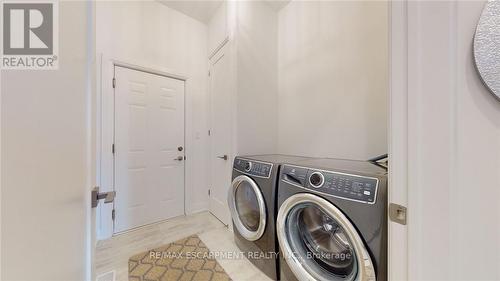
(316, 179)
(248, 166)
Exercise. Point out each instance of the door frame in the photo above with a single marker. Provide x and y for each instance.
(398, 131)
(105, 120)
(398, 136)
(227, 48)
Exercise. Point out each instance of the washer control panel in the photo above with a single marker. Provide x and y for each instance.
(351, 187)
(254, 168)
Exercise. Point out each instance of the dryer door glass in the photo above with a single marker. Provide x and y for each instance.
(319, 242)
(247, 206)
(325, 241)
(322, 245)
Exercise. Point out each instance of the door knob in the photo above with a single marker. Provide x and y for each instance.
(222, 157)
(179, 158)
(180, 148)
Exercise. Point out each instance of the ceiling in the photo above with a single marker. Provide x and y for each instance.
(277, 4)
(203, 10)
(200, 10)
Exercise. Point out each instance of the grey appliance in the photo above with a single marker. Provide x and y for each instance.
(252, 203)
(332, 222)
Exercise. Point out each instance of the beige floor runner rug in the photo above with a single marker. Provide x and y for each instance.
(183, 260)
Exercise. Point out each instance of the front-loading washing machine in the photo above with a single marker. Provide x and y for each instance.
(332, 222)
(252, 203)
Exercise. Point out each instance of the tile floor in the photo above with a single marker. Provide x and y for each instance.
(113, 254)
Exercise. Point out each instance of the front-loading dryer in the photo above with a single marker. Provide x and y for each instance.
(252, 203)
(332, 223)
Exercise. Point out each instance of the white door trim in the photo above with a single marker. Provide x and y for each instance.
(151, 70)
(89, 265)
(398, 136)
(105, 132)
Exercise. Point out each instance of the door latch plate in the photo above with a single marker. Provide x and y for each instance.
(397, 213)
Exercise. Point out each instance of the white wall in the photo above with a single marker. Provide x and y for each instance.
(256, 40)
(453, 148)
(333, 79)
(45, 185)
(312, 69)
(218, 29)
(150, 34)
(252, 30)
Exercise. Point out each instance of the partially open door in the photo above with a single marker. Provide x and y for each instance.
(46, 155)
(220, 133)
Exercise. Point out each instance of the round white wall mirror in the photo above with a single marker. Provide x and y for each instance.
(487, 46)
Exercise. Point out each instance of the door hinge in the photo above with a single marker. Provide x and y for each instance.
(114, 82)
(397, 213)
(209, 132)
(209, 192)
(209, 73)
(113, 148)
(113, 214)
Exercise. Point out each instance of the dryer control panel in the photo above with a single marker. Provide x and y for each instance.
(253, 168)
(342, 185)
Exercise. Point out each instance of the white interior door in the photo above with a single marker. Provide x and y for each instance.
(220, 134)
(149, 148)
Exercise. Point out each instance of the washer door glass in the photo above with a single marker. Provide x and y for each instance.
(247, 206)
(321, 242)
